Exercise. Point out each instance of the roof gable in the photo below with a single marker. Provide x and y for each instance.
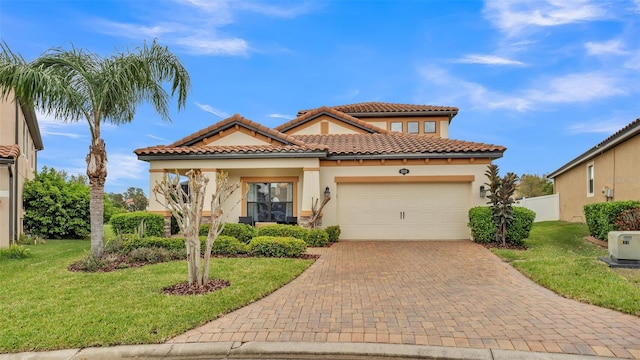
(631, 130)
(315, 115)
(232, 125)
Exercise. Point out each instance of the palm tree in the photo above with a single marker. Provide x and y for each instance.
(76, 84)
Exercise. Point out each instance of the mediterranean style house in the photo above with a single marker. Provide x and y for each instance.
(606, 172)
(390, 169)
(19, 142)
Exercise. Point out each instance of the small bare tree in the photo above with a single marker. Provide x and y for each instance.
(316, 211)
(186, 207)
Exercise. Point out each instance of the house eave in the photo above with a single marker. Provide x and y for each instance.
(231, 125)
(32, 124)
(232, 156)
(449, 113)
(466, 155)
(595, 151)
(293, 126)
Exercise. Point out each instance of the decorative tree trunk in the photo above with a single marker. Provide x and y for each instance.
(97, 174)
(186, 208)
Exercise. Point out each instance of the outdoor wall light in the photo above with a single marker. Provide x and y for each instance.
(327, 193)
(483, 191)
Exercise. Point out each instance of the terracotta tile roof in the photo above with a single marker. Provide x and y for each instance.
(394, 143)
(382, 107)
(9, 151)
(310, 114)
(228, 149)
(230, 122)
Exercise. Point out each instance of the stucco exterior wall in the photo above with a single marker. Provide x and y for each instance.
(617, 169)
(442, 123)
(237, 138)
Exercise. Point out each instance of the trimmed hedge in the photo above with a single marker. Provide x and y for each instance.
(280, 230)
(334, 233)
(128, 223)
(274, 246)
(483, 227)
(243, 232)
(228, 245)
(601, 217)
(317, 238)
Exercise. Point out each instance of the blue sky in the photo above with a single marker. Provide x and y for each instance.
(548, 79)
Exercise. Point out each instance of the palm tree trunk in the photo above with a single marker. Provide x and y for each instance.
(97, 174)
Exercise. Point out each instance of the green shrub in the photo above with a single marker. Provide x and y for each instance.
(521, 224)
(317, 238)
(274, 246)
(204, 230)
(334, 233)
(228, 245)
(481, 224)
(114, 245)
(601, 217)
(283, 231)
(14, 252)
(31, 240)
(628, 220)
(90, 262)
(152, 255)
(56, 206)
(483, 227)
(129, 223)
(243, 232)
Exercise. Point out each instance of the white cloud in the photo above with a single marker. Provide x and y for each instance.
(577, 88)
(292, 10)
(198, 45)
(513, 16)
(633, 62)
(281, 116)
(212, 110)
(613, 46)
(572, 88)
(158, 138)
(599, 127)
(488, 60)
(124, 166)
(50, 126)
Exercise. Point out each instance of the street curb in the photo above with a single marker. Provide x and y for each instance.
(288, 350)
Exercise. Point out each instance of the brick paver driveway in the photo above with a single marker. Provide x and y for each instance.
(444, 293)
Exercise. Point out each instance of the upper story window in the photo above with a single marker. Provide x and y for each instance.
(413, 127)
(590, 180)
(396, 126)
(25, 141)
(429, 127)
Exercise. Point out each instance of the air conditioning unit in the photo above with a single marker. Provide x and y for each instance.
(624, 245)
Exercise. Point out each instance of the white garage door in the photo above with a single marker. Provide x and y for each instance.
(426, 211)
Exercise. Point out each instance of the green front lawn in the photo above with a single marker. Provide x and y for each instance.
(43, 306)
(558, 258)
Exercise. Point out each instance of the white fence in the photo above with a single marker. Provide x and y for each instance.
(547, 208)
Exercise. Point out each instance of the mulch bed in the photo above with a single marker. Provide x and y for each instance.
(184, 288)
(507, 246)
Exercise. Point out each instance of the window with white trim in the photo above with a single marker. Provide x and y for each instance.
(590, 180)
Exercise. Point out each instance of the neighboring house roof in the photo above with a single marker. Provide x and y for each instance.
(324, 110)
(9, 152)
(399, 144)
(370, 109)
(627, 132)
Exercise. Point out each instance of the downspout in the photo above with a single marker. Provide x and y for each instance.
(12, 186)
(11, 220)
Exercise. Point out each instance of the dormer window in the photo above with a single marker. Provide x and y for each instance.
(429, 127)
(413, 127)
(396, 126)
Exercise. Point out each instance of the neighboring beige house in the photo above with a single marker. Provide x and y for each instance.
(19, 142)
(608, 171)
(391, 169)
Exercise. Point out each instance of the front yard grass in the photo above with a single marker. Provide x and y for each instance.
(559, 259)
(43, 306)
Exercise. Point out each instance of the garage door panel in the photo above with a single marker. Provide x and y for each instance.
(403, 211)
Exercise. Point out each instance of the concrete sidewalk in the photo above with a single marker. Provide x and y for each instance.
(288, 350)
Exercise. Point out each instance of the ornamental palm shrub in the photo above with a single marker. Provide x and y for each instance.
(501, 200)
(483, 227)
